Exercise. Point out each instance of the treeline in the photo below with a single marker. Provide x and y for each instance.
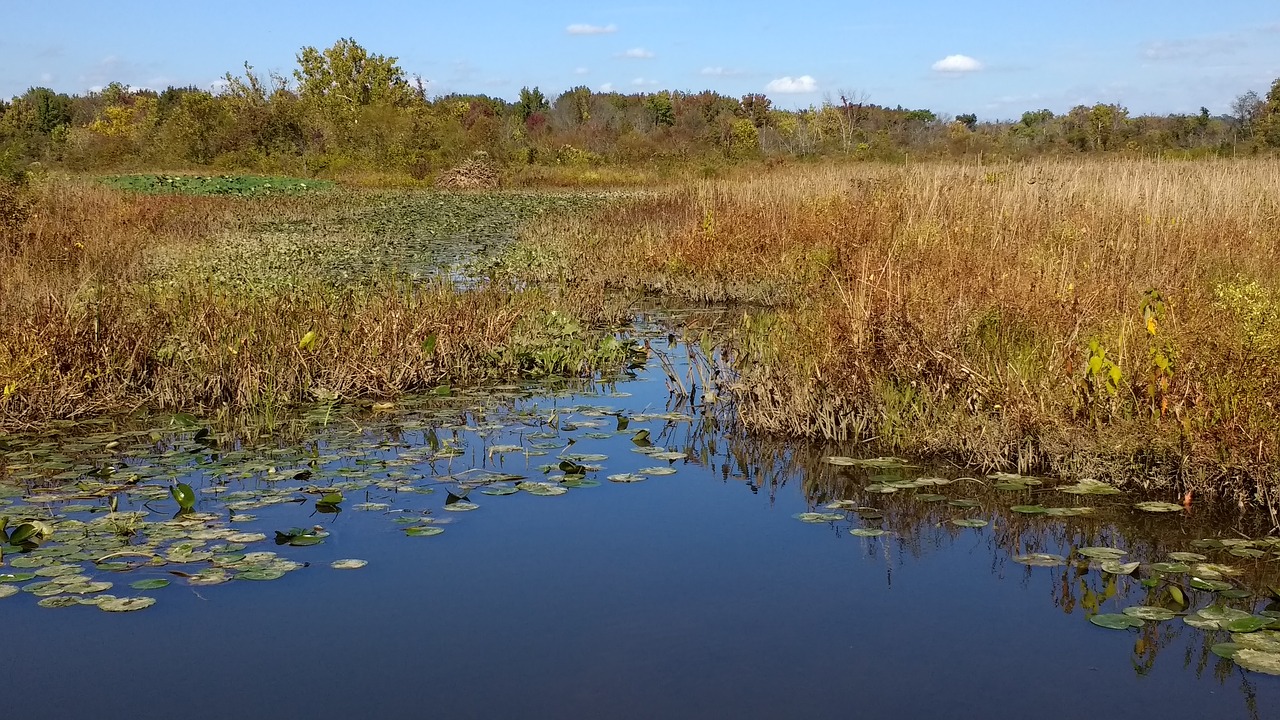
(347, 109)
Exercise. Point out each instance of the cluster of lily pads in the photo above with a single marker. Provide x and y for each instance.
(95, 513)
(238, 185)
(1183, 578)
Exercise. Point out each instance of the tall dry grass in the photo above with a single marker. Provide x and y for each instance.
(88, 328)
(1095, 318)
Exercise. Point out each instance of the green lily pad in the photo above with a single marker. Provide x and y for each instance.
(1089, 486)
(1249, 624)
(461, 506)
(499, 490)
(1117, 621)
(1257, 661)
(818, 517)
(1200, 623)
(1149, 612)
(1168, 567)
(1210, 585)
(126, 604)
(928, 497)
(1115, 567)
(423, 531)
(1155, 506)
(969, 522)
(1187, 557)
(149, 584)
(1225, 650)
(965, 503)
(1221, 614)
(544, 489)
(1030, 509)
(59, 601)
(260, 575)
(627, 478)
(1101, 553)
(839, 460)
(659, 470)
(9, 590)
(867, 532)
(1040, 560)
(351, 564)
(16, 577)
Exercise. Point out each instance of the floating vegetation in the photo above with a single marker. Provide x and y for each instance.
(238, 185)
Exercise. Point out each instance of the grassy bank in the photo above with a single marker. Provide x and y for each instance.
(238, 305)
(1117, 319)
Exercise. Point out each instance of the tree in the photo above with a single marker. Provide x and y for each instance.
(1246, 109)
(1269, 117)
(346, 74)
(756, 107)
(530, 102)
(661, 110)
(969, 120)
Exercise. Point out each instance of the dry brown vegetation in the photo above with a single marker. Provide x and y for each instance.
(1116, 319)
(90, 327)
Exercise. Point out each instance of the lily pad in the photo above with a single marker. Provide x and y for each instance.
(659, 470)
(1030, 509)
(1257, 661)
(423, 531)
(8, 590)
(461, 506)
(1210, 585)
(1115, 567)
(350, 564)
(627, 478)
(1168, 567)
(867, 532)
(128, 604)
(1249, 624)
(149, 584)
(1155, 506)
(969, 522)
(1187, 557)
(1040, 560)
(1101, 553)
(544, 489)
(1116, 621)
(1149, 612)
(499, 490)
(817, 517)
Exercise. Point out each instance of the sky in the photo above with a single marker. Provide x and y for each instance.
(995, 58)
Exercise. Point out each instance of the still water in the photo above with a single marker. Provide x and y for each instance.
(694, 594)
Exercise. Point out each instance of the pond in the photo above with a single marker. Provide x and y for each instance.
(604, 550)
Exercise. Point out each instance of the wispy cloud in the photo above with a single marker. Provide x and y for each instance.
(1191, 48)
(644, 82)
(588, 29)
(636, 53)
(717, 71)
(581, 71)
(607, 87)
(788, 84)
(957, 64)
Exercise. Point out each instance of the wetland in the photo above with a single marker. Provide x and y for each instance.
(316, 451)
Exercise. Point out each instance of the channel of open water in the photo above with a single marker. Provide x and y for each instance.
(600, 550)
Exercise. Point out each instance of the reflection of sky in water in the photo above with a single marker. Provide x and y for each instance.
(689, 595)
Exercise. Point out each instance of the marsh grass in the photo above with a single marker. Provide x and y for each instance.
(96, 323)
(1097, 318)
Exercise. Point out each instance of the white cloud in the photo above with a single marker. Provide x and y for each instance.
(581, 71)
(46, 78)
(788, 84)
(717, 71)
(957, 64)
(588, 29)
(607, 87)
(637, 53)
(644, 82)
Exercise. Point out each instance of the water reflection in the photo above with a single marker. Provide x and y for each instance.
(685, 595)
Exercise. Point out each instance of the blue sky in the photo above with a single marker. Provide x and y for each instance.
(995, 58)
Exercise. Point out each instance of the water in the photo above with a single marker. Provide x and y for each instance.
(695, 594)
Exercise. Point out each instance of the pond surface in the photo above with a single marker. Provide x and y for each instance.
(684, 587)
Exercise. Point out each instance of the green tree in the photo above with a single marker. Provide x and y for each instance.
(661, 109)
(530, 102)
(346, 74)
(1268, 122)
(969, 120)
